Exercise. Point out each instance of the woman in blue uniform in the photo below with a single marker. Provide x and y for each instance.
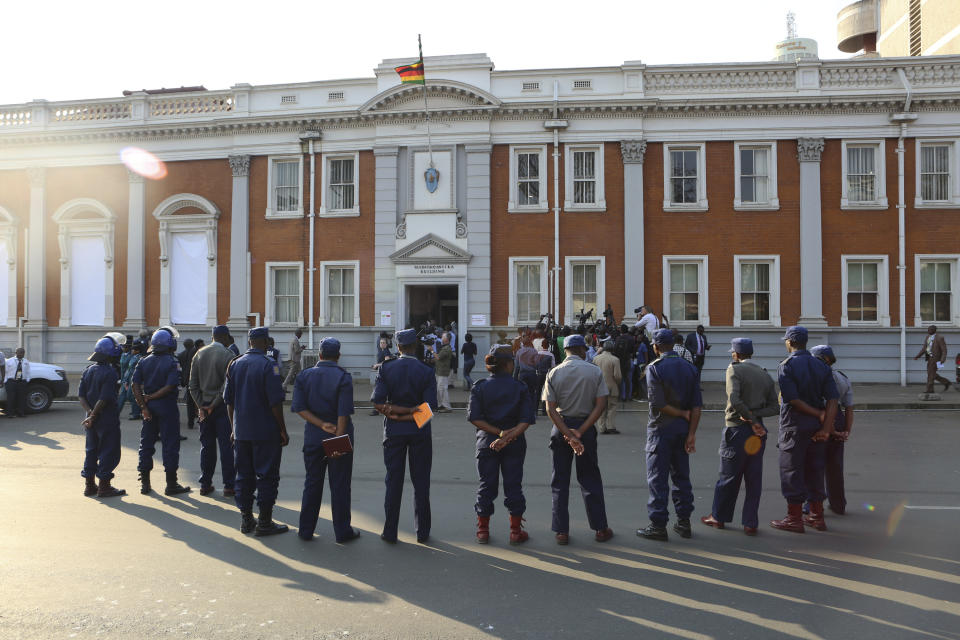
(501, 409)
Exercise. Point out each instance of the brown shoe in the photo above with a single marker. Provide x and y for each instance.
(517, 534)
(815, 518)
(750, 531)
(206, 490)
(563, 539)
(483, 529)
(710, 521)
(793, 522)
(90, 488)
(603, 535)
(229, 492)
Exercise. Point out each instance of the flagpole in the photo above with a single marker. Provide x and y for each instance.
(426, 111)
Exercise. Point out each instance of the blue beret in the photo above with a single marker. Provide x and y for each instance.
(743, 346)
(576, 340)
(258, 332)
(221, 330)
(406, 337)
(663, 336)
(330, 346)
(822, 350)
(796, 333)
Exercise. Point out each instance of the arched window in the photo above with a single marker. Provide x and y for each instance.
(9, 225)
(188, 259)
(85, 236)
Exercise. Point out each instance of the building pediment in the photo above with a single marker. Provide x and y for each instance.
(431, 249)
(441, 95)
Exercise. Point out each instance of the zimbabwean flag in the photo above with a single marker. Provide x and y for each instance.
(411, 73)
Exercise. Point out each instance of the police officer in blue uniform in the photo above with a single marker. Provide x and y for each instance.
(254, 396)
(808, 407)
(501, 409)
(323, 396)
(98, 397)
(156, 382)
(673, 391)
(842, 425)
(402, 385)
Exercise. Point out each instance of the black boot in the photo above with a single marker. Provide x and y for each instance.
(91, 487)
(682, 527)
(174, 487)
(248, 522)
(653, 532)
(107, 490)
(145, 482)
(266, 526)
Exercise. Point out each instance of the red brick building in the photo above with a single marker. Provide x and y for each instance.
(744, 197)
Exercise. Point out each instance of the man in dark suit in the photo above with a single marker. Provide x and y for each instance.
(934, 350)
(698, 345)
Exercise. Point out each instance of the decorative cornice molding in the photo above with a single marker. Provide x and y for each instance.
(406, 255)
(809, 149)
(37, 176)
(632, 151)
(240, 166)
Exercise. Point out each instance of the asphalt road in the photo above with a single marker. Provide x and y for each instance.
(152, 566)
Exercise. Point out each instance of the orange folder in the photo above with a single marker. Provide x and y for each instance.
(422, 415)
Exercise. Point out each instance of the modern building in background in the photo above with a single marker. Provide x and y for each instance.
(894, 28)
(745, 197)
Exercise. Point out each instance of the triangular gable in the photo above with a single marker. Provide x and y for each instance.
(430, 249)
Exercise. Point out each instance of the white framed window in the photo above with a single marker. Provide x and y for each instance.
(284, 188)
(685, 293)
(755, 166)
(188, 259)
(866, 290)
(528, 179)
(340, 196)
(528, 290)
(339, 293)
(283, 304)
(864, 180)
(685, 177)
(86, 238)
(756, 285)
(936, 289)
(9, 227)
(584, 286)
(937, 186)
(583, 178)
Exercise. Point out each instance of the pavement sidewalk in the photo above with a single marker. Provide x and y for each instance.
(867, 397)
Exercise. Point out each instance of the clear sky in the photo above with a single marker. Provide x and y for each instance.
(66, 50)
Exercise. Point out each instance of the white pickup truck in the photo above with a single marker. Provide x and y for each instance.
(46, 383)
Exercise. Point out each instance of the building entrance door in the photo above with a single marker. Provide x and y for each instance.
(439, 304)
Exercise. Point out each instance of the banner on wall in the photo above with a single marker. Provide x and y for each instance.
(188, 278)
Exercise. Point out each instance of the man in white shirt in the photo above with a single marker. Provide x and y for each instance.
(15, 382)
(647, 320)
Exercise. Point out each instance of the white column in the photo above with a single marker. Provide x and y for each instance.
(478, 232)
(809, 151)
(136, 230)
(37, 264)
(239, 241)
(385, 234)
(632, 152)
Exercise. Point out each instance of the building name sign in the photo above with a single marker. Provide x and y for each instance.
(433, 269)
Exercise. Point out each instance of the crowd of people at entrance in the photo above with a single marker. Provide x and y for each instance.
(574, 377)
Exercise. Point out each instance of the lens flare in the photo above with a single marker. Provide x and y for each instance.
(143, 163)
(895, 516)
(752, 445)
(869, 507)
